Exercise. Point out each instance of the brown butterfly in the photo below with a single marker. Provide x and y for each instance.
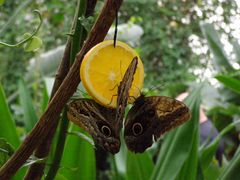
(104, 124)
(150, 117)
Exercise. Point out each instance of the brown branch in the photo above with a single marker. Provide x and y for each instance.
(36, 170)
(65, 91)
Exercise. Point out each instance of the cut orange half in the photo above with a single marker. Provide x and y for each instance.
(103, 68)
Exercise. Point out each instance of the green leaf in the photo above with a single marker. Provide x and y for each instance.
(6, 150)
(7, 125)
(119, 162)
(179, 145)
(236, 49)
(30, 117)
(78, 161)
(221, 60)
(213, 171)
(139, 166)
(231, 171)
(87, 23)
(2, 2)
(83, 136)
(187, 171)
(229, 82)
(206, 154)
(45, 97)
(60, 177)
(33, 44)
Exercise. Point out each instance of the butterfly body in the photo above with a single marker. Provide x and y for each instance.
(123, 90)
(150, 117)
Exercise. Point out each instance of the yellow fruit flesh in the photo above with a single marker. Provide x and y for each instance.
(103, 69)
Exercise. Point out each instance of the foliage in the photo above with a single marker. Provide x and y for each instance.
(229, 78)
(159, 47)
(14, 61)
(168, 59)
(6, 151)
(79, 158)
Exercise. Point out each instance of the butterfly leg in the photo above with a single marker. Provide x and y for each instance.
(115, 95)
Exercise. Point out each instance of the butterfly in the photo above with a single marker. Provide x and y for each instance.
(102, 123)
(149, 117)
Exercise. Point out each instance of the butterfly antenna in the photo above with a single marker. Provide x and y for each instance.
(113, 87)
(139, 90)
(159, 87)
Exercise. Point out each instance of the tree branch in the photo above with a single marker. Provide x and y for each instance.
(36, 170)
(65, 91)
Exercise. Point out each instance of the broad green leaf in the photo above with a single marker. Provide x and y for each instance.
(221, 60)
(119, 162)
(200, 175)
(213, 171)
(7, 125)
(208, 153)
(6, 150)
(33, 44)
(78, 161)
(139, 166)
(231, 171)
(30, 117)
(179, 144)
(60, 177)
(229, 82)
(189, 169)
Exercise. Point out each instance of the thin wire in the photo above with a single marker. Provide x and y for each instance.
(116, 30)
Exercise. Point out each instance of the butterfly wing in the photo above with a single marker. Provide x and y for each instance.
(150, 117)
(123, 90)
(97, 121)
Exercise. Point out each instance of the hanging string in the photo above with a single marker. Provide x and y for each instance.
(116, 30)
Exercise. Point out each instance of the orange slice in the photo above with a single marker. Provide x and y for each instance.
(103, 68)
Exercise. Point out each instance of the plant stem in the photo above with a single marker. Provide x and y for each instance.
(77, 41)
(65, 91)
(59, 148)
(36, 170)
(28, 38)
(77, 38)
